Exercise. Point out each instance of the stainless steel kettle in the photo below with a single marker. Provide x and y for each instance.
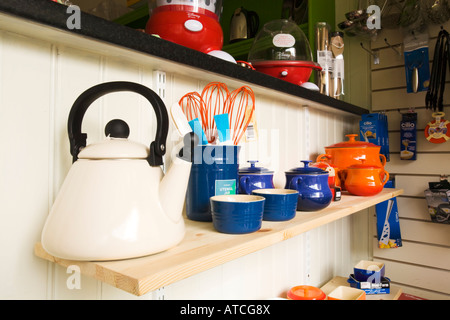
(244, 25)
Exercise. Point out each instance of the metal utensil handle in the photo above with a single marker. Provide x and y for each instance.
(78, 139)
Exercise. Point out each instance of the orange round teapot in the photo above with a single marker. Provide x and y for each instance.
(344, 154)
(365, 180)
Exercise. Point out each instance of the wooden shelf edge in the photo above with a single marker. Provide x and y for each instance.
(203, 248)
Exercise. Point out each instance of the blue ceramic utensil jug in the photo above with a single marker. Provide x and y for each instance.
(214, 172)
(312, 186)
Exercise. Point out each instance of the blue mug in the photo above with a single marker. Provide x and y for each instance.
(253, 177)
(314, 192)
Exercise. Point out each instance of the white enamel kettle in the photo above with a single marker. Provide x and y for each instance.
(115, 202)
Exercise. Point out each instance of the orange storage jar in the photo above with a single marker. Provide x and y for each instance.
(345, 154)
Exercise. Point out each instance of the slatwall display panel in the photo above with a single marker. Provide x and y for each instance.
(418, 265)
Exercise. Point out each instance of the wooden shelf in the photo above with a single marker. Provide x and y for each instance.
(204, 248)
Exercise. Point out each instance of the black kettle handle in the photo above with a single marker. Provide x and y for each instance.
(78, 139)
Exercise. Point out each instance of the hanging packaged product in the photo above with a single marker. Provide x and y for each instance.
(373, 128)
(388, 224)
(324, 57)
(417, 67)
(408, 136)
(438, 131)
(438, 200)
(337, 75)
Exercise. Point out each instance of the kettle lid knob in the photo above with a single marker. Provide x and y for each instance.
(117, 128)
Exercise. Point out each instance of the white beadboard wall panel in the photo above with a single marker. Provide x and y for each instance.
(422, 261)
(40, 81)
(25, 124)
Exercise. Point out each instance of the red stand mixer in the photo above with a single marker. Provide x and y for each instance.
(190, 23)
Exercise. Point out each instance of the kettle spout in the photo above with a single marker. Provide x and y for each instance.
(172, 189)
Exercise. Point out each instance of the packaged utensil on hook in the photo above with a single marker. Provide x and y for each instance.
(388, 223)
(417, 67)
(438, 200)
(408, 136)
(373, 128)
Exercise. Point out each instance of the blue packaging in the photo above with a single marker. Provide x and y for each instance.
(382, 287)
(373, 128)
(408, 136)
(388, 224)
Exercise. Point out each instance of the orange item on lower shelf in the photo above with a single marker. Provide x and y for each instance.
(306, 293)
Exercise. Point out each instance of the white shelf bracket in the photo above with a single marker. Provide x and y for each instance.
(159, 80)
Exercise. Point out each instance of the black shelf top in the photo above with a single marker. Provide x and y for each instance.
(54, 15)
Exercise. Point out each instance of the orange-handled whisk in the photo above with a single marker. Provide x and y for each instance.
(241, 108)
(193, 106)
(215, 96)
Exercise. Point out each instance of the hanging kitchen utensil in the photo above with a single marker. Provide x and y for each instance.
(417, 69)
(215, 96)
(193, 106)
(240, 99)
(435, 92)
(115, 202)
(408, 136)
(438, 200)
(438, 131)
(388, 223)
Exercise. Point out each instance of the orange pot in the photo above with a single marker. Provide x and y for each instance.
(344, 154)
(365, 180)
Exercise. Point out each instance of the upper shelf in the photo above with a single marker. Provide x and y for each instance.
(203, 248)
(37, 18)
